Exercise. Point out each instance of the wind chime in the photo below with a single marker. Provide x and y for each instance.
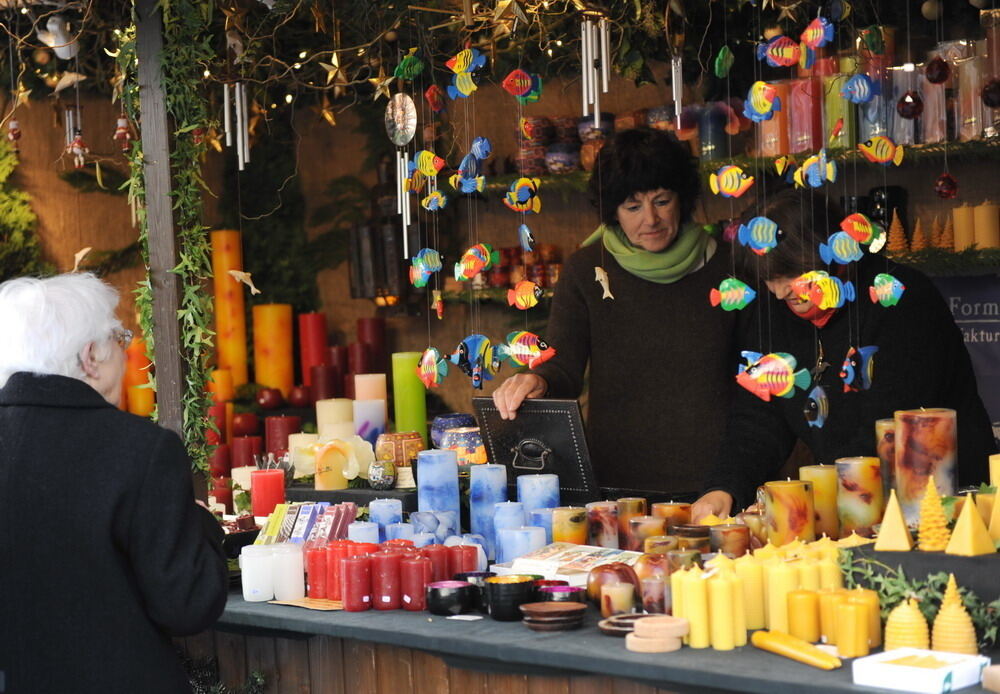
(594, 37)
(401, 125)
(234, 97)
(673, 27)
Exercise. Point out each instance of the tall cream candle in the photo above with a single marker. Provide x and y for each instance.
(334, 419)
(987, 225)
(964, 223)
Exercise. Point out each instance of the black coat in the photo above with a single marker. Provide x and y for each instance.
(921, 362)
(103, 553)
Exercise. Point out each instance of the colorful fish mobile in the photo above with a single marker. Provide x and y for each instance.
(463, 65)
(871, 36)
(815, 171)
(838, 127)
(411, 66)
(432, 368)
(760, 235)
(427, 163)
(858, 369)
(730, 181)
(886, 290)
(761, 102)
(435, 98)
(526, 238)
(467, 178)
(525, 86)
(732, 295)
(817, 407)
(771, 375)
(435, 201)
(423, 264)
(784, 164)
(525, 349)
(780, 51)
(475, 358)
(862, 229)
(840, 248)
(823, 290)
(523, 196)
(476, 259)
(882, 150)
(723, 62)
(818, 33)
(860, 89)
(524, 295)
(438, 303)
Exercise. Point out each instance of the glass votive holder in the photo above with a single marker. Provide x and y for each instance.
(654, 595)
(731, 539)
(659, 544)
(678, 559)
(617, 598)
(675, 513)
(692, 537)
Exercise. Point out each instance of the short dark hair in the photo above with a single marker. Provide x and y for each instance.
(641, 160)
(806, 218)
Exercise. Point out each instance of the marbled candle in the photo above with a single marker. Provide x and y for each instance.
(885, 447)
(628, 507)
(399, 531)
(363, 531)
(369, 419)
(860, 502)
(538, 491)
(789, 511)
(437, 481)
(569, 524)
(675, 513)
(487, 487)
(516, 542)
(385, 512)
(926, 444)
(824, 481)
(602, 524)
(641, 527)
(542, 518)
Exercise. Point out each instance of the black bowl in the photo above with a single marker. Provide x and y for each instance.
(449, 597)
(561, 594)
(478, 581)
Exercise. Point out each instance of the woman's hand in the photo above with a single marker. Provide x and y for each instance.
(512, 392)
(716, 502)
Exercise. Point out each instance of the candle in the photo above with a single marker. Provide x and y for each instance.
(693, 537)
(803, 615)
(617, 598)
(316, 572)
(926, 443)
(288, 566)
(336, 552)
(218, 462)
(569, 524)
(673, 512)
(774, 131)
(137, 365)
(462, 558)
(829, 601)
(371, 332)
(487, 487)
(782, 579)
(830, 575)
(642, 527)
(220, 385)
(332, 459)
(790, 514)
(369, 419)
(970, 106)
(824, 481)
(438, 556)
(987, 225)
(694, 594)
(410, 396)
(245, 449)
(809, 578)
(516, 542)
(750, 573)
(230, 316)
(267, 490)
(356, 583)
(325, 382)
(542, 518)
(415, 573)
(659, 544)
(423, 539)
(720, 610)
(963, 223)
(677, 581)
(303, 451)
(437, 481)
(628, 507)
(334, 419)
(538, 491)
(860, 502)
(852, 630)
(869, 599)
(257, 572)
(384, 512)
(399, 531)
(836, 108)
(337, 358)
(805, 115)
(714, 142)
(732, 539)
(386, 580)
(363, 531)
(216, 416)
(312, 344)
(141, 400)
(370, 387)
(885, 447)
(602, 524)
(359, 359)
(272, 347)
(758, 528)
(654, 595)
(508, 514)
(277, 430)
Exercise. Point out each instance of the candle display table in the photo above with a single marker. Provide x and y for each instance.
(398, 652)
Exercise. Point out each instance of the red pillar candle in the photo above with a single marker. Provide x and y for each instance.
(356, 583)
(398, 542)
(277, 430)
(365, 548)
(359, 358)
(223, 492)
(438, 554)
(371, 331)
(327, 382)
(415, 573)
(219, 462)
(267, 490)
(336, 552)
(244, 449)
(806, 115)
(774, 131)
(312, 343)
(316, 573)
(337, 358)
(217, 416)
(462, 558)
(386, 580)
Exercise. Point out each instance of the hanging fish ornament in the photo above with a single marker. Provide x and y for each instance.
(438, 303)
(601, 277)
(760, 235)
(732, 295)
(524, 295)
(761, 102)
(840, 248)
(432, 368)
(410, 67)
(862, 229)
(780, 51)
(771, 375)
(860, 89)
(435, 98)
(525, 86)
(474, 357)
(526, 238)
(524, 349)
(784, 164)
(838, 127)
(817, 407)
(467, 178)
(815, 171)
(818, 33)
(807, 56)
(423, 264)
(426, 162)
(729, 181)
(886, 290)
(463, 65)
(435, 201)
(858, 369)
(723, 62)
(523, 195)
(476, 259)
(821, 289)
(882, 150)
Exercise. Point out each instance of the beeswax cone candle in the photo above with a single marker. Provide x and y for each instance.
(230, 318)
(906, 627)
(953, 629)
(894, 535)
(824, 481)
(859, 497)
(995, 470)
(934, 532)
(789, 510)
(970, 537)
(272, 347)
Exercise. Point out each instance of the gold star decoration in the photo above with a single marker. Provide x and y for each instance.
(21, 97)
(381, 83)
(235, 16)
(325, 111)
(335, 75)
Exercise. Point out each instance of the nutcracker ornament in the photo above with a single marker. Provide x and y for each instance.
(122, 135)
(78, 148)
(13, 133)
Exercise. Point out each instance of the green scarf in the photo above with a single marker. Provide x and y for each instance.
(669, 265)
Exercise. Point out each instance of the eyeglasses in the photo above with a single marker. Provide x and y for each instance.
(123, 336)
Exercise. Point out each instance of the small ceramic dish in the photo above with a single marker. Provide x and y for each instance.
(553, 609)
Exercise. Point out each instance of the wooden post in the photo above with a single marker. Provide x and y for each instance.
(159, 215)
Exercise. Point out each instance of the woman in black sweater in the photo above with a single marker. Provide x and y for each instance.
(921, 360)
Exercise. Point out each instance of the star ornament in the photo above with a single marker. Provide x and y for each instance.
(381, 84)
(335, 75)
(21, 97)
(325, 111)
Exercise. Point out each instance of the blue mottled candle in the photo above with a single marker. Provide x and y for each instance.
(508, 514)
(437, 481)
(542, 518)
(447, 525)
(424, 539)
(480, 542)
(385, 512)
(399, 531)
(369, 419)
(538, 491)
(424, 522)
(363, 531)
(487, 487)
(516, 542)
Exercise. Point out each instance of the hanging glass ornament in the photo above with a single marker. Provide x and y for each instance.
(946, 186)
(937, 70)
(910, 105)
(991, 93)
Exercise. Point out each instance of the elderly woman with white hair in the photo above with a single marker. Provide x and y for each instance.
(104, 553)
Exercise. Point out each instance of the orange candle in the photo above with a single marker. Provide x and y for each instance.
(803, 615)
(869, 599)
(230, 319)
(136, 363)
(220, 386)
(141, 400)
(789, 511)
(272, 346)
(824, 480)
(829, 600)
(852, 630)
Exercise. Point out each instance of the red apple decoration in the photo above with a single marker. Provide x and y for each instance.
(270, 398)
(245, 424)
(301, 396)
(615, 572)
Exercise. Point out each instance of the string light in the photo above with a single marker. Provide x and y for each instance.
(302, 55)
(206, 74)
(288, 98)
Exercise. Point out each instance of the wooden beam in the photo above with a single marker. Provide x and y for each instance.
(159, 215)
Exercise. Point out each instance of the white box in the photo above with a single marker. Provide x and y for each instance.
(956, 672)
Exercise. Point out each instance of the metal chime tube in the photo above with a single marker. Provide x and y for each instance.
(584, 62)
(605, 54)
(677, 85)
(68, 125)
(239, 125)
(595, 57)
(246, 125)
(227, 116)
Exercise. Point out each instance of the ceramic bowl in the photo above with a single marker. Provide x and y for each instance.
(449, 597)
(478, 581)
(506, 594)
(553, 610)
(561, 594)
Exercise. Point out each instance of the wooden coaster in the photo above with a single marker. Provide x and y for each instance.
(661, 626)
(663, 644)
(312, 604)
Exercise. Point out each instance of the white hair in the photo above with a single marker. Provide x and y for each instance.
(46, 323)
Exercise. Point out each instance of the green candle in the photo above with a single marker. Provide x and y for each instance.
(409, 394)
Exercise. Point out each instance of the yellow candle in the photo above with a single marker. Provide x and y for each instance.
(860, 500)
(695, 596)
(720, 610)
(569, 524)
(824, 479)
(782, 579)
(809, 578)
(829, 600)
(964, 226)
(768, 551)
(995, 470)
(617, 598)
(984, 502)
(230, 318)
(751, 574)
(334, 419)
(803, 615)
(986, 218)
(824, 548)
(869, 599)
(830, 575)
(141, 400)
(220, 385)
(788, 507)
(331, 460)
(272, 347)
(677, 579)
(739, 610)
(303, 451)
(852, 630)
